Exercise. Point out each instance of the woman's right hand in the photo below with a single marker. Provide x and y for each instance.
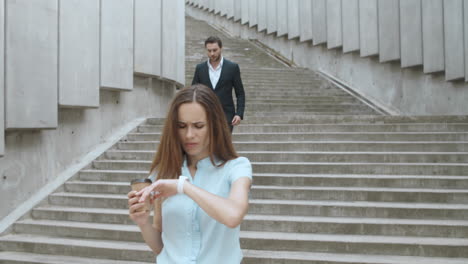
(140, 218)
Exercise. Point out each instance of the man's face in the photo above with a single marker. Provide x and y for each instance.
(214, 52)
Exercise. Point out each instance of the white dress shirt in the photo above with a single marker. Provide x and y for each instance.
(215, 73)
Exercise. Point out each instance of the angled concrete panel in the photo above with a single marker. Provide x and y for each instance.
(453, 36)
(237, 10)
(180, 28)
(411, 33)
(262, 15)
(211, 5)
(282, 17)
(350, 25)
(244, 11)
(173, 40)
(117, 44)
(319, 22)
(368, 28)
(79, 53)
(294, 29)
(389, 30)
(148, 37)
(223, 7)
(253, 15)
(218, 7)
(229, 5)
(305, 20)
(31, 45)
(334, 24)
(465, 21)
(271, 17)
(2, 78)
(433, 35)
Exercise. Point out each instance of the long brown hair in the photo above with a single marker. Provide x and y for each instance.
(169, 157)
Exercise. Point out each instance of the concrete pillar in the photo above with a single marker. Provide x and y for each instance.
(117, 44)
(282, 17)
(334, 24)
(262, 15)
(79, 53)
(271, 17)
(305, 20)
(237, 10)
(253, 15)
(368, 28)
(319, 22)
(433, 35)
(411, 33)
(229, 8)
(453, 36)
(148, 37)
(244, 11)
(389, 30)
(31, 64)
(293, 19)
(465, 23)
(173, 40)
(350, 25)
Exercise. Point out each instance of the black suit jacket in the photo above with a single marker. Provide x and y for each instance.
(229, 78)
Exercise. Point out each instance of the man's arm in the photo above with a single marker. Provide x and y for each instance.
(240, 93)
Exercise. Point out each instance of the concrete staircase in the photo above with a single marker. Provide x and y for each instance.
(334, 182)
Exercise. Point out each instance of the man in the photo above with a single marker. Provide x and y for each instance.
(222, 75)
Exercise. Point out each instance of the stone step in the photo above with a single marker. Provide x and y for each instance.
(91, 248)
(342, 180)
(358, 244)
(280, 114)
(304, 108)
(294, 207)
(307, 192)
(333, 146)
(443, 122)
(359, 209)
(31, 258)
(329, 180)
(250, 257)
(318, 97)
(286, 257)
(306, 100)
(329, 136)
(373, 244)
(272, 223)
(317, 167)
(286, 93)
(296, 156)
(309, 128)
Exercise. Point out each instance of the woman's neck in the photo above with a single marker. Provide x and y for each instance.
(192, 161)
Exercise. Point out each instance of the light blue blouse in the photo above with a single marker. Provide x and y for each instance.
(189, 235)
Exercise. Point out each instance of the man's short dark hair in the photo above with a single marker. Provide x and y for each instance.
(214, 39)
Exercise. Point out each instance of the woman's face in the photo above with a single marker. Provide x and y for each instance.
(193, 131)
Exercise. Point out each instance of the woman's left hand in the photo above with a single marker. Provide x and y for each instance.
(160, 188)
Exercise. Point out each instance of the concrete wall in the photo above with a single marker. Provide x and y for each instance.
(406, 56)
(60, 54)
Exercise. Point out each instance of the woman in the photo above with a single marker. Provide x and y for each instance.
(202, 183)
